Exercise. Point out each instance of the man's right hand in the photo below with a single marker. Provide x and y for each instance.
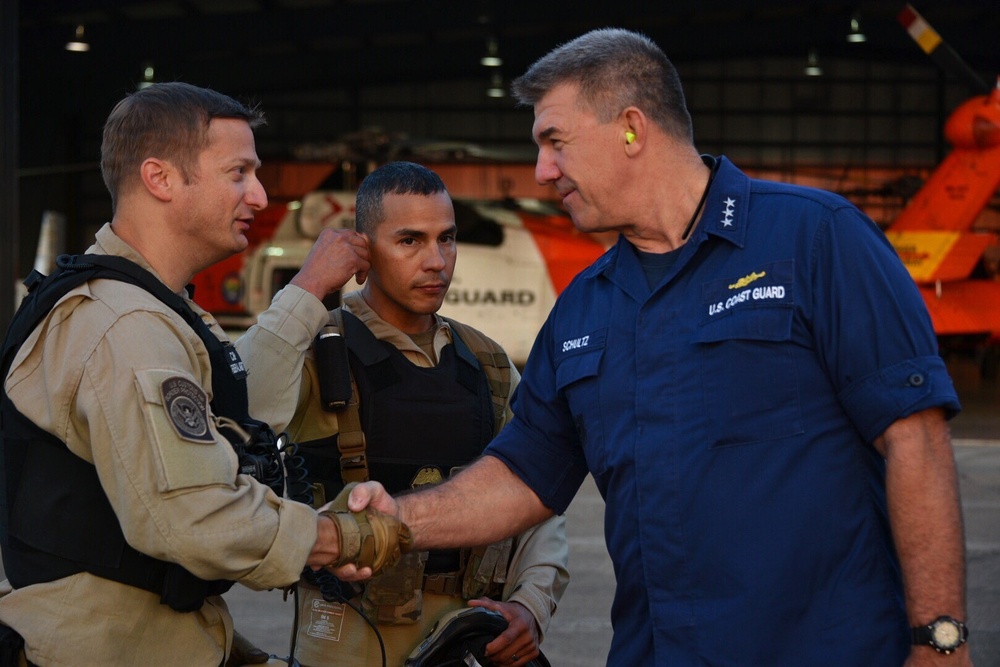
(327, 550)
(327, 547)
(370, 496)
(367, 538)
(373, 494)
(366, 494)
(336, 257)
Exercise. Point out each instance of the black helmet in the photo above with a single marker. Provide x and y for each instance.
(460, 637)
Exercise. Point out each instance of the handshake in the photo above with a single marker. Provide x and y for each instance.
(368, 538)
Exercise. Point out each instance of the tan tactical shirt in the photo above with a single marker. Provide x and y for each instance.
(284, 391)
(93, 374)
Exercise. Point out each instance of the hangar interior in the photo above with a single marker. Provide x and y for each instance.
(349, 83)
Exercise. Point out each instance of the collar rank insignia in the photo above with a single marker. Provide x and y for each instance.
(727, 212)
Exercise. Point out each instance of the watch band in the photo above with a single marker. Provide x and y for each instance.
(927, 635)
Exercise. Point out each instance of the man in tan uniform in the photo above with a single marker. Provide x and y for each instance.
(423, 406)
(118, 387)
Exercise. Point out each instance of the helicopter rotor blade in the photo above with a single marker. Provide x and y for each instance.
(940, 52)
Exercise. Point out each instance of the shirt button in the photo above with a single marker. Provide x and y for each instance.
(916, 380)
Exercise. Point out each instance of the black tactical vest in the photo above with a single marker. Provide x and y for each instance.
(412, 417)
(55, 519)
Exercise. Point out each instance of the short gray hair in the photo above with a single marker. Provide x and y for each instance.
(614, 69)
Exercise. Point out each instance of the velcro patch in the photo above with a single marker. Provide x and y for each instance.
(187, 408)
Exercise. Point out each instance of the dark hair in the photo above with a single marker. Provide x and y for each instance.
(614, 69)
(166, 120)
(398, 178)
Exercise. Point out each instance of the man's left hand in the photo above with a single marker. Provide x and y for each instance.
(518, 644)
(245, 653)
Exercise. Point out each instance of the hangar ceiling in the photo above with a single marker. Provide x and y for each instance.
(282, 52)
(292, 45)
(324, 68)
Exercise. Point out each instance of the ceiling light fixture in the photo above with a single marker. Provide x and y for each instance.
(78, 44)
(812, 64)
(855, 35)
(491, 59)
(496, 88)
(147, 77)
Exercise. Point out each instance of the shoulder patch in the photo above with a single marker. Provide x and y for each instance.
(187, 408)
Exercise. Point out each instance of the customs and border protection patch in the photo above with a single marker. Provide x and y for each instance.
(186, 405)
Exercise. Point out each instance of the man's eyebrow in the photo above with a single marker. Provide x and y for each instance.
(405, 231)
(247, 162)
(546, 133)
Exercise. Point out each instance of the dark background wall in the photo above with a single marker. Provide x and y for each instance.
(366, 80)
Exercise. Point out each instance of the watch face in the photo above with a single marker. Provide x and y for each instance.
(946, 634)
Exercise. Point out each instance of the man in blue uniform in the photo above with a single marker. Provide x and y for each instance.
(752, 379)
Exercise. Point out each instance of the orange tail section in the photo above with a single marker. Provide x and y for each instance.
(932, 235)
(955, 194)
(964, 182)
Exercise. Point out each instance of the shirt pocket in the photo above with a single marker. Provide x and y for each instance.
(182, 462)
(749, 378)
(577, 380)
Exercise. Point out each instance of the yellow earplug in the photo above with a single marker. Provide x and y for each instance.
(629, 137)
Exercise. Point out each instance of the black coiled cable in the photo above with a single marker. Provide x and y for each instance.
(296, 481)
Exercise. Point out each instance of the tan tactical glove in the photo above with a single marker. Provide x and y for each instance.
(368, 538)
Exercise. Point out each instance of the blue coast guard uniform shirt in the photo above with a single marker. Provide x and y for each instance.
(727, 416)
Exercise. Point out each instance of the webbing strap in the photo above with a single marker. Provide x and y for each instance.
(350, 438)
(496, 366)
(351, 442)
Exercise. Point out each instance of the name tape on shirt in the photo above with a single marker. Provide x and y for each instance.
(236, 366)
(582, 342)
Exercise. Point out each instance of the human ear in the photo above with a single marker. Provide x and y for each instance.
(158, 177)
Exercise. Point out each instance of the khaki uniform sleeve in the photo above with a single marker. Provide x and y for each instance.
(538, 573)
(274, 350)
(515, 378)
(98, 379)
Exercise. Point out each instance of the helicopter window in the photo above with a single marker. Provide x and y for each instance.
(475, 228)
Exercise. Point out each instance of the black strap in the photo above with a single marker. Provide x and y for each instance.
(11, 646)
(230, 403)
(177, 587)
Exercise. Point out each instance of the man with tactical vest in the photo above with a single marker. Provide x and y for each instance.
(124, 513)
(424, 395)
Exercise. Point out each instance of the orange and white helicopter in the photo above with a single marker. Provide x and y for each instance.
(933, 234)
(515, 256)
